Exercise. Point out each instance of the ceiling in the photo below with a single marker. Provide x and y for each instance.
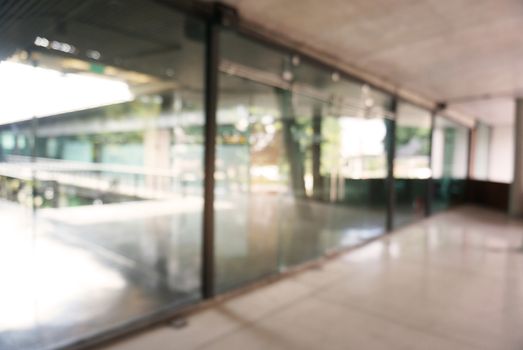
(456, 51)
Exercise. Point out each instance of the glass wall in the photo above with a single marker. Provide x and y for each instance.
(411, 163)
(300, 165)
(450, 143)
(102, 166)
(101, 169)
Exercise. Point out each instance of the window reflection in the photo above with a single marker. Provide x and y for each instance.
(301, 162)
(101, 148)
(411, 163)
(101, 165)
(449, 163)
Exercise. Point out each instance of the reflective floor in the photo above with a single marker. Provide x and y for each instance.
(262, 234)
(57, 287)
(454, 281)
(68, 273)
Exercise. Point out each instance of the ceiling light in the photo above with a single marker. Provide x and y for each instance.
(95, 55)
(55, 45)
(43, 42)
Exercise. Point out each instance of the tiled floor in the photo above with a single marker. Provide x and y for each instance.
(454, 281)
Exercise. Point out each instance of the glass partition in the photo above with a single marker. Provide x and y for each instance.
(300, 164)
(411, 163)
(101, 173)
(450, 143)
(102, 166)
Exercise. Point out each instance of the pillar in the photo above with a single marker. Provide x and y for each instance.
(516, 189)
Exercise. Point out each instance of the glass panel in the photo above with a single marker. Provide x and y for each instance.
(301, 162)
(449, 163)
(250, 182)
(353, 173)
(345, 138)
(115, 175)
(411, 163)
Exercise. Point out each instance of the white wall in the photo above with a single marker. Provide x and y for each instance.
(501, 154)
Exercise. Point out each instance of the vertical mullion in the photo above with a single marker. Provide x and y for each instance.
(470, 146)
(32, 145)
(391, 153)
(430, 180)
(211, 102)
(472, 150)
(470, 158)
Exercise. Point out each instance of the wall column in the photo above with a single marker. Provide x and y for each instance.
(516, 189)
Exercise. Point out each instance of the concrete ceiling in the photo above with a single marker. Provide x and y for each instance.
(444, 50)
(496, 111)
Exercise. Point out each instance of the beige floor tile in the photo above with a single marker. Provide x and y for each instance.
(257, 304)
(319, 278)
(201, 328)
(344, 328)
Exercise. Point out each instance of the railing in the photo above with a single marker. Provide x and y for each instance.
(132, 181)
